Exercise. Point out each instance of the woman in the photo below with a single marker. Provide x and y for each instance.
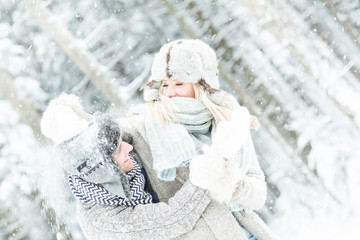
(193, 130)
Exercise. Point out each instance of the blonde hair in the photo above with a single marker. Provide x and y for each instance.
(163, 110)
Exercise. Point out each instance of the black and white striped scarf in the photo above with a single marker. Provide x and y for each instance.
(93, 194)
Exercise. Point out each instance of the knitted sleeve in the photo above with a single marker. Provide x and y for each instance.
(150, 221)
(250, 190)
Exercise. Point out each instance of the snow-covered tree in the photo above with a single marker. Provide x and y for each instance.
(294, 64)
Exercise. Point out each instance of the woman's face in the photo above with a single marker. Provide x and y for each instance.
(176, 88)
(122, 157)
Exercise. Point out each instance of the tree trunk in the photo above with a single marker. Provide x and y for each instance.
(76, 51)
(27, 112)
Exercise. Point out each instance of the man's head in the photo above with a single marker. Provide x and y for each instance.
(85, 140)
(90, 145)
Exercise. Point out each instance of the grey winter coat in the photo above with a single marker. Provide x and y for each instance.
(185, 211)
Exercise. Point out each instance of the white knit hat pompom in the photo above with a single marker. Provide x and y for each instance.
(64, 118)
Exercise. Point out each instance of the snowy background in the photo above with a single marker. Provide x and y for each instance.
(294, 64)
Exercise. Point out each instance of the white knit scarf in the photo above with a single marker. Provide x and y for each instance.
(171, 145)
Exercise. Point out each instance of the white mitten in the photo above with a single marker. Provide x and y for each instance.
(231, 135)
(216, 174)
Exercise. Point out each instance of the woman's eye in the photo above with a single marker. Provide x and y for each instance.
(179, 84)
(165, 85)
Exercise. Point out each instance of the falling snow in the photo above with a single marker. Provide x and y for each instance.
(294, 64)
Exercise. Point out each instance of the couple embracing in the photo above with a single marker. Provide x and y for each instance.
(182, 166)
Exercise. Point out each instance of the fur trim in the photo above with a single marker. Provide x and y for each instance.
(151, 94)
(64, 118)
(151, 91)
(214, 173)
(187, 60)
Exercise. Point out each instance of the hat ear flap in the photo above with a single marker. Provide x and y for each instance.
(151, 91)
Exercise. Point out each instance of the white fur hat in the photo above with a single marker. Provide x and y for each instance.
(187, 60)
(64, 118)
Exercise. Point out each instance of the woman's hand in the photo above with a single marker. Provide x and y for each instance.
(216, 174)
(231, 135)
(216, 170)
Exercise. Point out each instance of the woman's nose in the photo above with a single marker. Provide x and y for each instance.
(170, 92)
